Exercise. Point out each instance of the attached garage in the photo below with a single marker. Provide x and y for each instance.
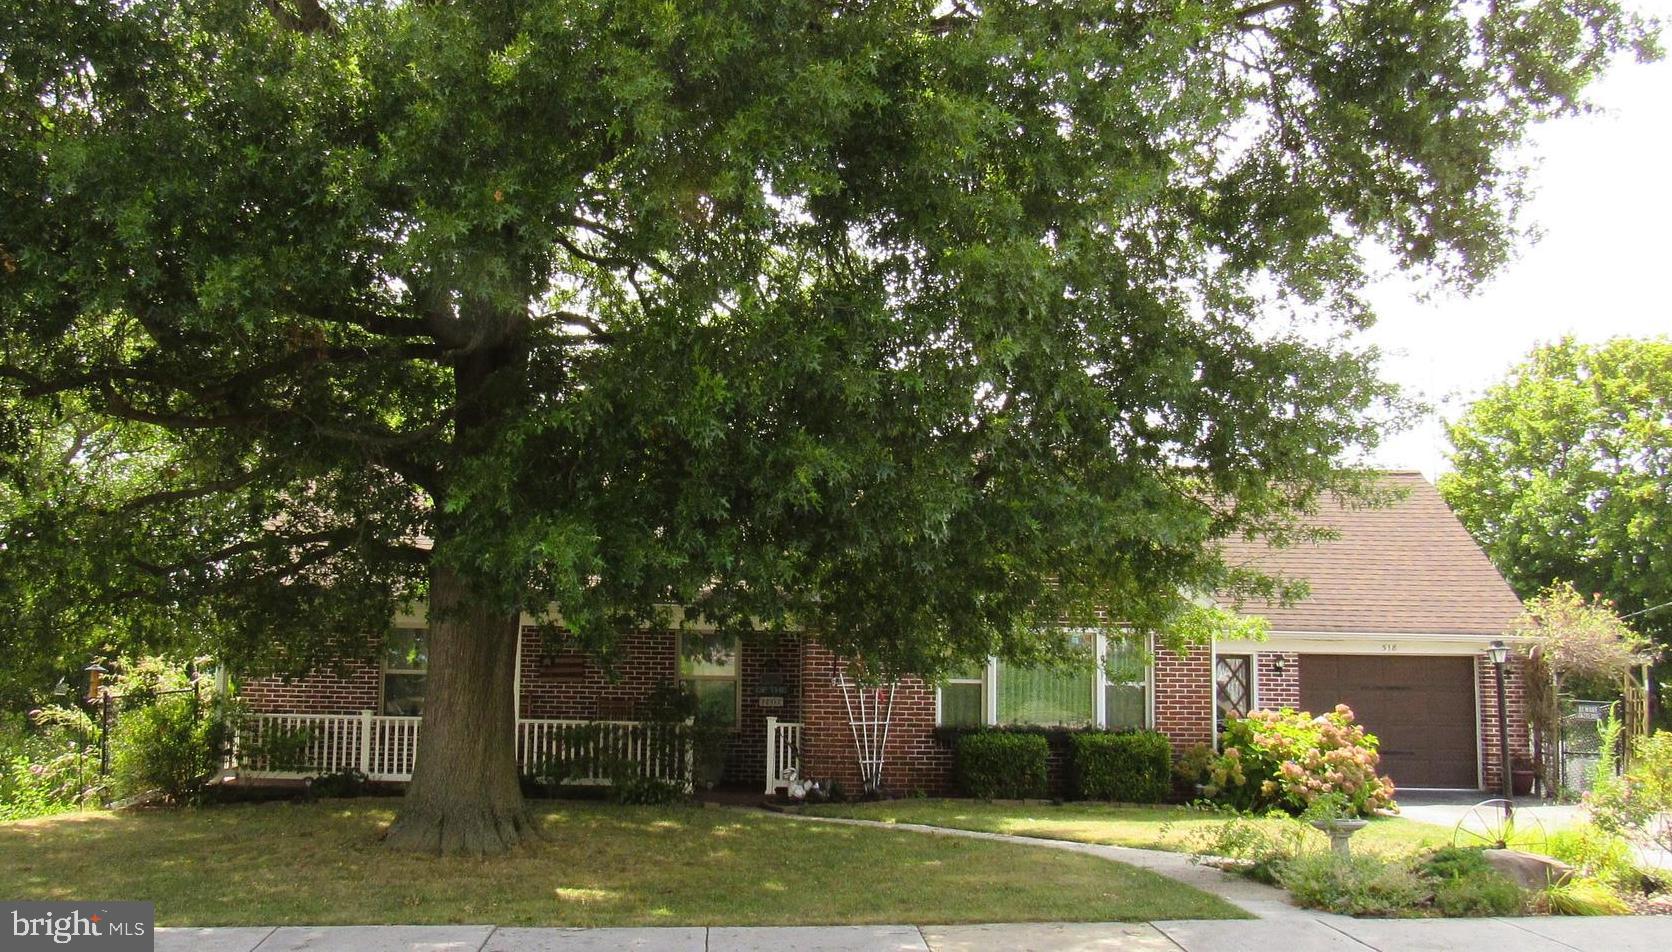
(1421, 708)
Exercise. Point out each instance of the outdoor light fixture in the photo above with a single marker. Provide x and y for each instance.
(1279, 664)
(1499, 653)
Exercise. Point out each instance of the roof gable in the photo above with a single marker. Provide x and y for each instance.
(1410, 567)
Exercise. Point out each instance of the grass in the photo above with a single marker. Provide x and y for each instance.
(322, 864)
(1147, 827)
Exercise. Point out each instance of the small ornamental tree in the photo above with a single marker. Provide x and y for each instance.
(1567, 638)
(915, 326)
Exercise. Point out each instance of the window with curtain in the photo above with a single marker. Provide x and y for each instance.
(1049, 697)
(963, 698)
(708, 668)
(1126, 684)
(406, 664)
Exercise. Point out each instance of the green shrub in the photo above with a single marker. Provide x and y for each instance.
(647, 791)
(1128, 768)
(1192, 768)
(171, 746)
(340, 784)
(1465, 884)
(1595, 853)
(1637, 803)
(48, 764)
(1287, 759)
(1263, 843)
(1001, 765)
(1363, 884)
(1583, 897)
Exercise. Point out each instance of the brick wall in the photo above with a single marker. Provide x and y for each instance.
(1184, 697)
(1515, 705)
(564, 686)
(1276, 689)
(913, 760)
(763, 660)
(353, 687)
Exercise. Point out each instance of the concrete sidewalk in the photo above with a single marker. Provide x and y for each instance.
(1299, 934)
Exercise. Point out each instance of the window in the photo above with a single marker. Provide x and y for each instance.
(1052, 697)
(1049, 697)
(406, 661)
(1233, 693)
(708, 668)
(1126, 682)
(963, 698)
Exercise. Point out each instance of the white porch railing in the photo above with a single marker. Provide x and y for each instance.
(783, 753)
(295, 746)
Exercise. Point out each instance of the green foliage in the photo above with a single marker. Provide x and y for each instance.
(1597, 854)
(1637, 804)
(1131, 767)
(1559, 471)
(1192, 767)
(171, 746)
(917, 330)
(1583, 897)
(1465, 884)
(1001, 765)
(48, 764)
(1364, 884)
(279, 748)
(168, 734)
(340, 784)
(646, 791)
(1288, 760)
(1263, 844)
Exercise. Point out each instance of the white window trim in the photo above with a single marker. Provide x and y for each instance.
(989, 682)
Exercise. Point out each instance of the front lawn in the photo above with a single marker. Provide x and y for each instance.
(321, 864)
(1148, 827)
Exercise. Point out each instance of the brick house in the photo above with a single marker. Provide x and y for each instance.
(1402, 608)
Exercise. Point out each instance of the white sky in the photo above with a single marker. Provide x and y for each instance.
(1603, 198)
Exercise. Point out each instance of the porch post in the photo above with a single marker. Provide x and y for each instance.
(771, 755)
(366, 743)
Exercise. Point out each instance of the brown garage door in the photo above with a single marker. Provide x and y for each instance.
(1422, 710)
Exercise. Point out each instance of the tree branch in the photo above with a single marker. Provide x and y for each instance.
(308, 17)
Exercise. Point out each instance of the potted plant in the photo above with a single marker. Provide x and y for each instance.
(1522, 773)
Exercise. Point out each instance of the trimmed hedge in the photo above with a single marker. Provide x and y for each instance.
(1133, 767)
(998, 765)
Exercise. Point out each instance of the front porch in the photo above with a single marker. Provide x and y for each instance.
(383, 748)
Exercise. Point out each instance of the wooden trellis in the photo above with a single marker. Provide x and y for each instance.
(868, 719)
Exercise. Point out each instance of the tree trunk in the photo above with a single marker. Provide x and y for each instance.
(464, 797)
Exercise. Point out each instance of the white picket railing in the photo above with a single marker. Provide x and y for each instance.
(294, 746)
(783, 753)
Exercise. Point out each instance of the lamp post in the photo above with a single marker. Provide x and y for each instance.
(1499, 653)
(98, 692)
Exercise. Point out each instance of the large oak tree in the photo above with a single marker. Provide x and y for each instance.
(911, 325)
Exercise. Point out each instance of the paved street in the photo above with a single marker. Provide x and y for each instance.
(1320, 934)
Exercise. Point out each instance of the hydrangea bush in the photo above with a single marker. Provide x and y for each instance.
(1289, 759)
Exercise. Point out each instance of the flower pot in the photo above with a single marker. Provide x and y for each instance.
(1521, 779)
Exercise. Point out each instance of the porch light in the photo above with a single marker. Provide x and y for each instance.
(1498, 652)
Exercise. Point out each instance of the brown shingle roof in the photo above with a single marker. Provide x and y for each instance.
(1410, 567)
